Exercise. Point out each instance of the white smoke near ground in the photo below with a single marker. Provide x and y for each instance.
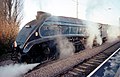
(66, 48)
(94, 34)
(16, 70)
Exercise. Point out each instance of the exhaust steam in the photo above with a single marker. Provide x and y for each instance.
(16, 70)
(94, 34)
(93, 6)
(113, 33)
(66, 48)
(93, 29)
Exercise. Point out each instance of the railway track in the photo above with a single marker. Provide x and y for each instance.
(76, 66)
(85, 68)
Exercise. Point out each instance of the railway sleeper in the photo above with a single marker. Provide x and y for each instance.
(107, 53)
(82, 67)
(86, 67)
(76, 73)
(67, 75)
(101, 56)
(92, 62)
(80, 72)
(97, 59)
(88, 64)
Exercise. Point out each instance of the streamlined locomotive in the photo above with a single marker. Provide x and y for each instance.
(36, 42)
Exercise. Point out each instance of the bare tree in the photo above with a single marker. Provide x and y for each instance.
(12, 9)
(10, 18)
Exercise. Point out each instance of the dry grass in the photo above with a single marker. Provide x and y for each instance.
(8, 32)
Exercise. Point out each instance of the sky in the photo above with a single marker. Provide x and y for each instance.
(103, 11)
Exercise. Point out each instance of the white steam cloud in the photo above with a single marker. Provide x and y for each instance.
(66, 48)
(93, 29)
(113, 33)
(93, 7)
(94, 34)
(15, 70)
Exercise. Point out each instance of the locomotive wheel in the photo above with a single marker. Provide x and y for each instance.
(25, 59)
(14, 56)
(47, 50)
(54, 53)
(79, 47)
(51, 53)
(40, 54)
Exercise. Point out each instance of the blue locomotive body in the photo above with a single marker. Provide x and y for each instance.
(36, 42)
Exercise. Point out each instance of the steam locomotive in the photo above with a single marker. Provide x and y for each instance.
(36, 42)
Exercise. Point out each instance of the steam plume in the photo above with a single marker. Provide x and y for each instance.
(66, 48)
(93, 6)
(93, 29)
(94, 34)
(113, 33)
(15, 70)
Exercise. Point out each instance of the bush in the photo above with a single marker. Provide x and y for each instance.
(8, 33)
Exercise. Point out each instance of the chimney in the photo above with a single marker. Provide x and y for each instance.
(41, 14)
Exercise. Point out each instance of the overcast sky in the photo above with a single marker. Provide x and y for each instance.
(104, 11)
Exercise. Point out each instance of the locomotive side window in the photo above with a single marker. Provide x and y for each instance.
(74, 30)
(64, 29)
(81, 30)
(44, 30)
(54, 29)
(49, 30)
